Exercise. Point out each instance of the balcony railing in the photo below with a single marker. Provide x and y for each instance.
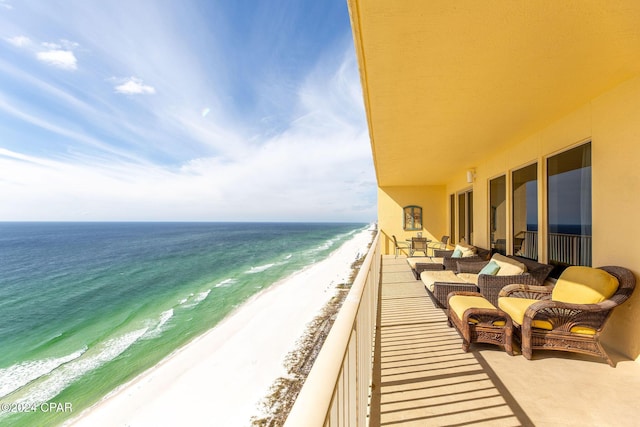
(569, 249)
(338, 389)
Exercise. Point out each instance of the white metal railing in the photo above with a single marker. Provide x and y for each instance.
(571, 249)
(337, 390)
(529, 248)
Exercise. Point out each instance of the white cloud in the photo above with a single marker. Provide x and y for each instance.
(55, 54)
(19, 41)
(64, 44)
(134, 86)
(188, 156)
(5, 4)
(64, 59)
(318, 168)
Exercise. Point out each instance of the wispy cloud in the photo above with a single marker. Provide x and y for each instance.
(19, 41)
(5, 5)
(224, 136)
(134, 86)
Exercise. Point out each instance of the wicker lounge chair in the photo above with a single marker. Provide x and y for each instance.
(490, 286)
(547, 321)
(451, 263)
(467, 278)
(443, 260)
(422, 263)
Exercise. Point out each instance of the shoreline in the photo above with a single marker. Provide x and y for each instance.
(222, 375)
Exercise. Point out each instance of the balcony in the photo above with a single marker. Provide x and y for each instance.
(421, 376)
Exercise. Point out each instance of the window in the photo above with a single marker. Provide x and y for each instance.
(569, 208)
(412, 218)
(498, 214)
(525, 212)
(452, 217)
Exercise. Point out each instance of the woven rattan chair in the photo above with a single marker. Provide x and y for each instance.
(442, 260)
(451, 263)
(490, 286)
(568, 321)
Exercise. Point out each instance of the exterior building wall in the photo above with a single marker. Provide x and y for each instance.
(392, 200)
(616, 201)
(612, 123)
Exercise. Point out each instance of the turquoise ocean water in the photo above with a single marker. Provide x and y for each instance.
(85, 307)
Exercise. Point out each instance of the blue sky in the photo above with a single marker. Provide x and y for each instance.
(195, 110)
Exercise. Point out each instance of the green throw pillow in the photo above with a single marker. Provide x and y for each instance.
(491, 268)
(457, 254)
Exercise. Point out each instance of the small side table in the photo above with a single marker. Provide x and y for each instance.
(477, 320)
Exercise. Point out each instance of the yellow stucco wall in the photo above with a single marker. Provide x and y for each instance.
(391, 201)
(612, 123)
(616, 206)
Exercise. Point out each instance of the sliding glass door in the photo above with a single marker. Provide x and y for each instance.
(465, 216)
(498, 214)
(525, 211)
(569, 208)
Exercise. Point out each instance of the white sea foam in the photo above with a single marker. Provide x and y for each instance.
(259, 269)
(157, 330)
(201, 296)
(21, 374)
(56, 381)
(288, 256)
(225, 282)
(193, 301)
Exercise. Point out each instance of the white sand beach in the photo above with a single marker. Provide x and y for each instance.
(219, 378)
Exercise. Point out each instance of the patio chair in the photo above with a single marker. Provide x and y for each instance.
(418, 244)
(475, 276)
(570, 315)
(451, 263)
(422, 263)
(526, 272)
(443, 260)
(441, 245)
(399, 247)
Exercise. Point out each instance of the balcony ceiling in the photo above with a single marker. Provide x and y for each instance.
(447, 82)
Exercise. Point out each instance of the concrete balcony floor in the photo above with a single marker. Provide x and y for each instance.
(423, 378)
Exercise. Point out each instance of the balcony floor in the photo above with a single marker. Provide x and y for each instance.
(423, 378)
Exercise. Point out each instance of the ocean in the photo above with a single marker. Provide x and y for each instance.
(86, 307)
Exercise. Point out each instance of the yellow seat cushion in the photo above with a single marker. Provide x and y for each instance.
(461, 303)
(516, 307)
(584, 285)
